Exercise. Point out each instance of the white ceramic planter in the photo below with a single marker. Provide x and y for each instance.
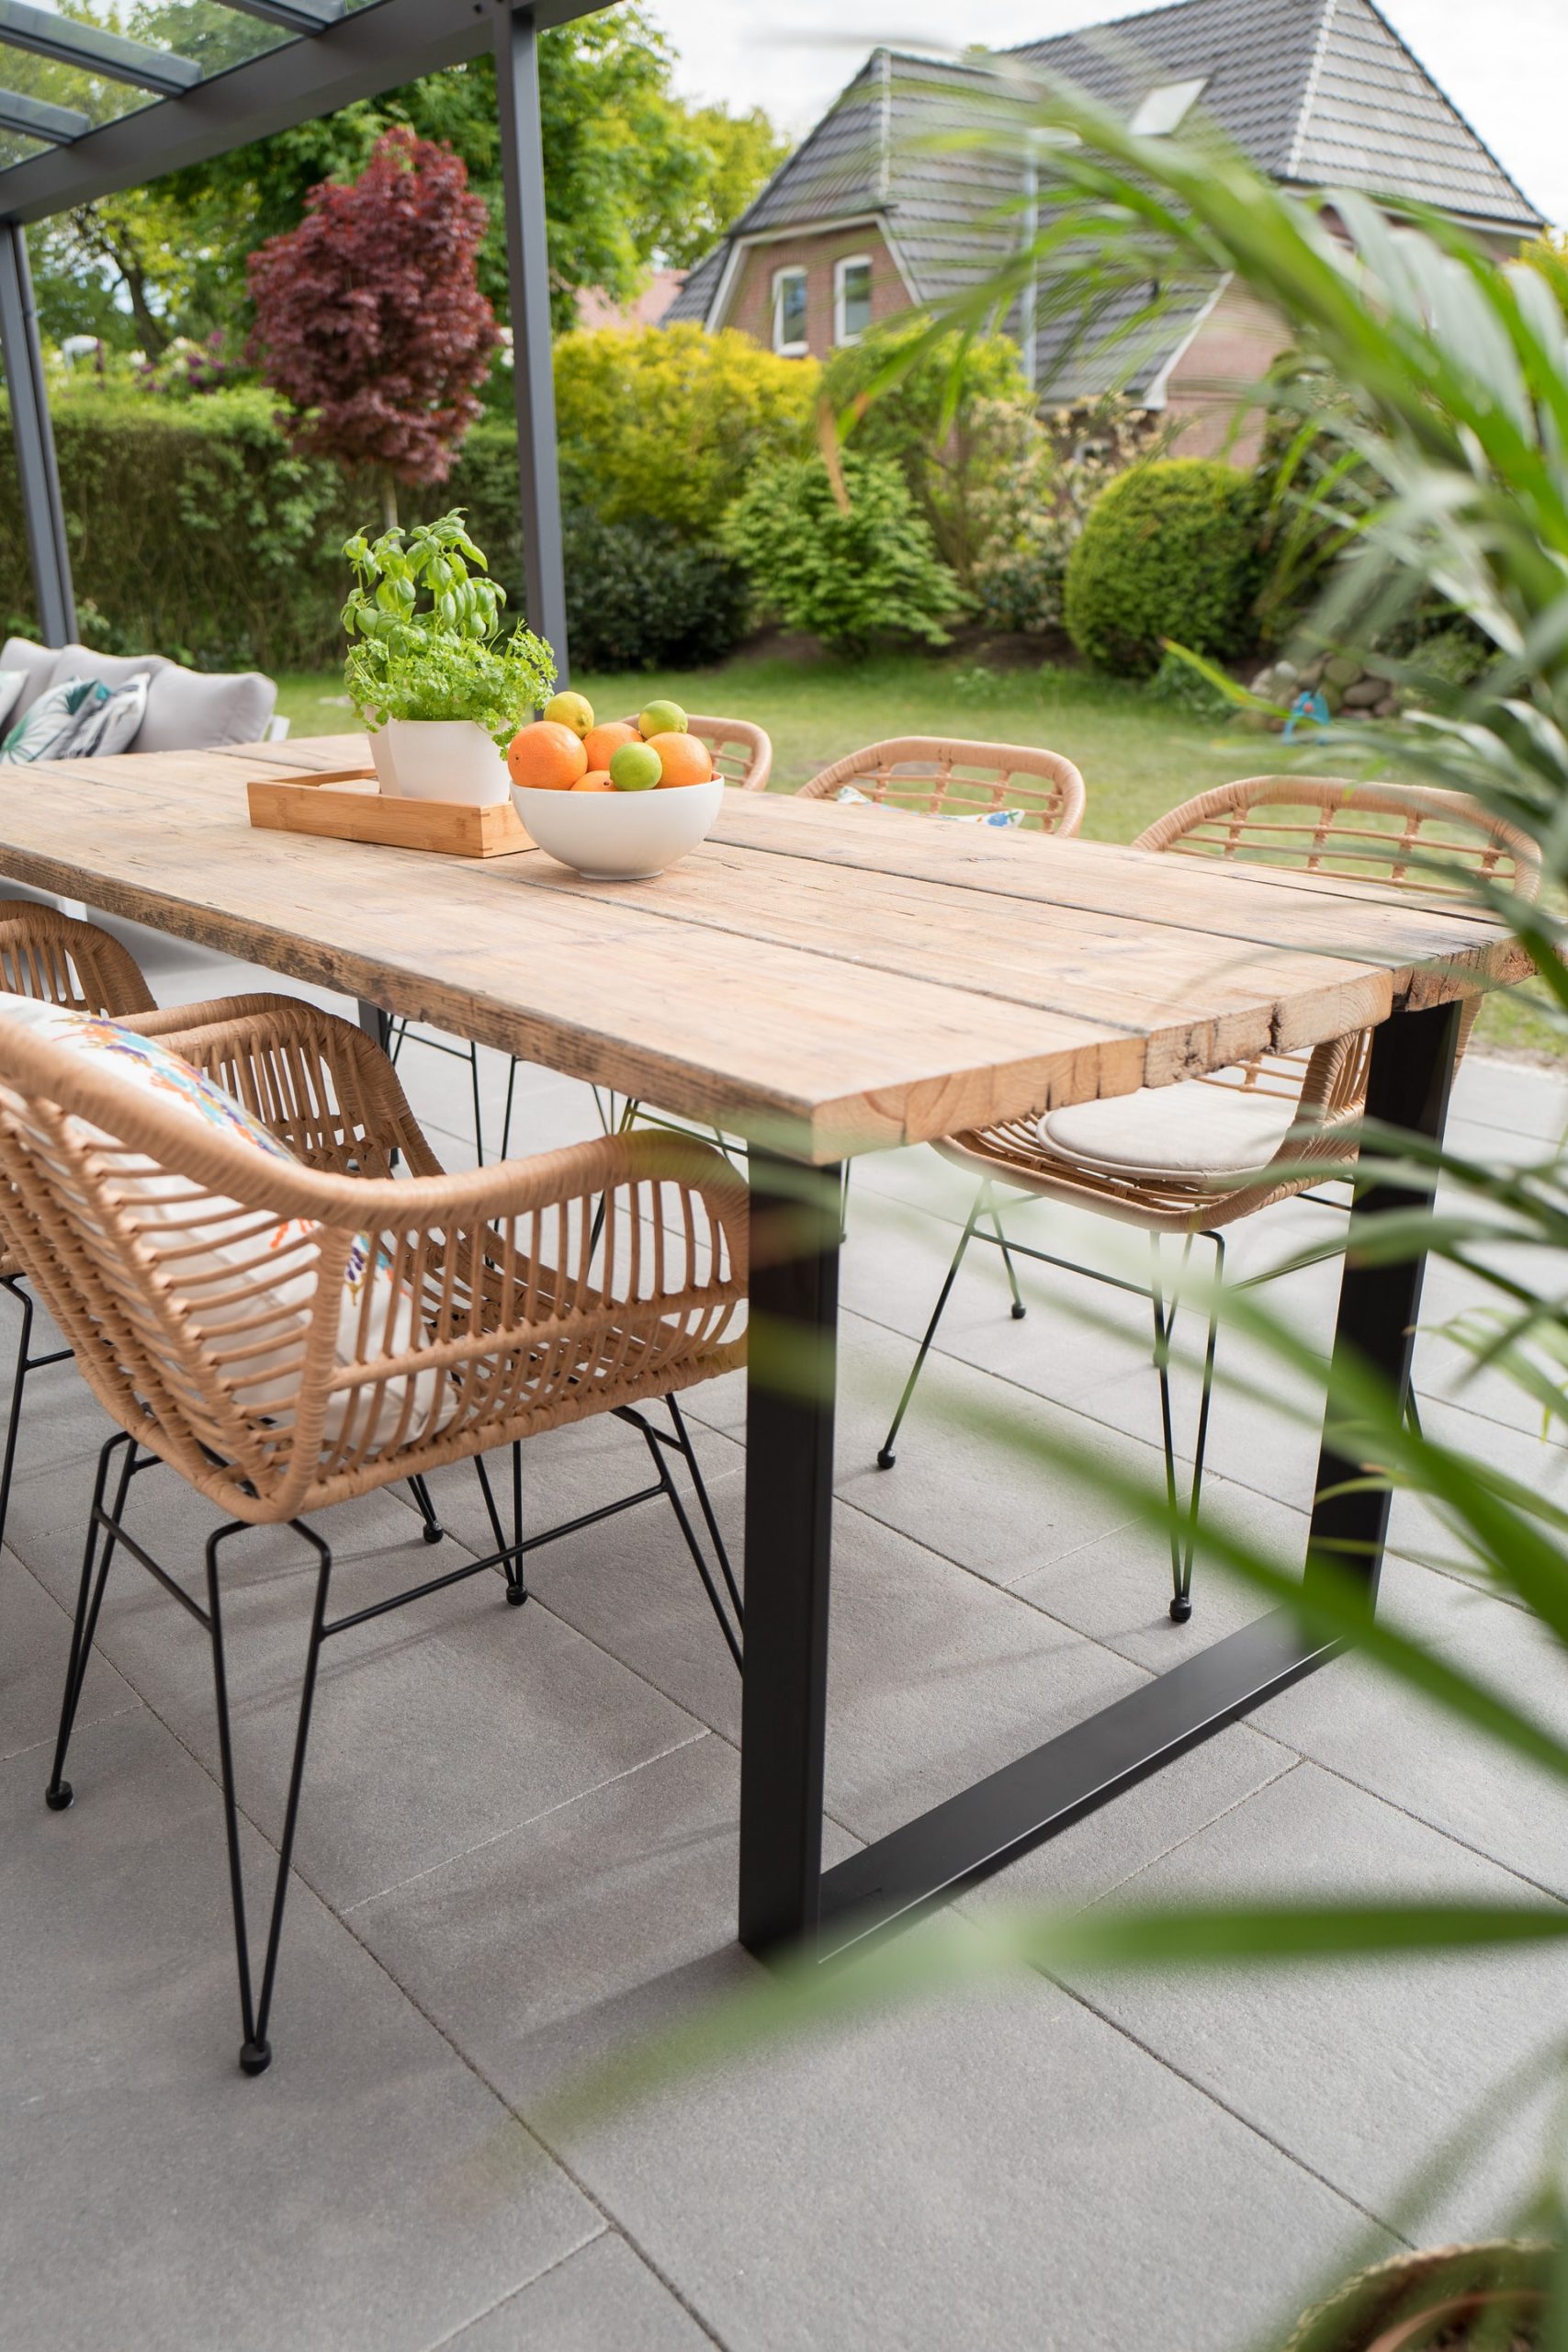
(619, 836)
(381, 755)
(445, 759)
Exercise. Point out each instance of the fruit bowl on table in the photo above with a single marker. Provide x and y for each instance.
(618, 801)
(619, 836)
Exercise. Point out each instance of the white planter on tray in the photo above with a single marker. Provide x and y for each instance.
(442, 758)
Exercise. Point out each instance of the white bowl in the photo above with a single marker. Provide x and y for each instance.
(620, 836)
(445, 759)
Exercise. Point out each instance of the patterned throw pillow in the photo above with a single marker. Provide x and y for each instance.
(109, 720)
(11, 685)
(227, 1240)
(1007, 817)
(47, 725)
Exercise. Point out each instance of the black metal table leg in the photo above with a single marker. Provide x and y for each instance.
(789, 1517)
(376, 1024)
(784, 1894)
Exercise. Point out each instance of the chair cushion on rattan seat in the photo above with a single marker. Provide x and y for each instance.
(1188, 1134)
(240, 1274)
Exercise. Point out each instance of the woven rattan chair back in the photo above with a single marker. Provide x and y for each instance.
(503, 1315)
(45, 953)
(742, 754)
(1409, 836)
(939, 776)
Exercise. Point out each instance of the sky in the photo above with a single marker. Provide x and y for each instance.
(1503, 63)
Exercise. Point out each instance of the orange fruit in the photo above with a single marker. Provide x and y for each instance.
(686, 759)
(604, 741)
(596, 780)
(547, 757)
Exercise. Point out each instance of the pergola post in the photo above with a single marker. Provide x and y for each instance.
(43, 512)
(533, 383)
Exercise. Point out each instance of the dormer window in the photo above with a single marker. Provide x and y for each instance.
(1167, 107)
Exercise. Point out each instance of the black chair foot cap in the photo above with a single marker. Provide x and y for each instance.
(886, 1458)
(60, 1799)
(516, 1594)
(255, 2057)
(433, 1534)
(1181, 1607)
(1019, 1312)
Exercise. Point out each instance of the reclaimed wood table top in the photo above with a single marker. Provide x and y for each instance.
(832, 978)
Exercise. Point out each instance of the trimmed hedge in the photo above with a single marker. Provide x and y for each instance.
(1170, 550)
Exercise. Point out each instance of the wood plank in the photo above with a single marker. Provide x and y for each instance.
(885, 982)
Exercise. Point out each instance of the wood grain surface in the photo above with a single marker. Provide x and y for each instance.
(831, 980)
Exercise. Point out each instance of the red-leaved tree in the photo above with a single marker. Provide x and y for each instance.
(369, 320)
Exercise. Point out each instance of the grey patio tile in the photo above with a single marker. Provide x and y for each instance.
(1364, 2069)
(601, 2298)
(1106, 1848)
(1414, 1754)
(1515, 1096)
(944, 2176)
(1117, 1589)
(33, 1653)
(368, 2192)
(964, 1483)
(433, 1728)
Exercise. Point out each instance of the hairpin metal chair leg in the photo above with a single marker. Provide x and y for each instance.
(1183, 1527)
(255, 2051)
(398, 1037)
(510, 1553)
(25, 1362)
(887, 1457)
(97, 1554)
(433, 1530)
(1018, 1308)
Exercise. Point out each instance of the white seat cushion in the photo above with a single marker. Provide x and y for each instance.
(1188, 1134)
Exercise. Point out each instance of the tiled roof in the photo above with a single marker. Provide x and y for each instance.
(1315, 92)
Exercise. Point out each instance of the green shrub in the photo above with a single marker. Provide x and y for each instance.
(848, 578)
(670, 422)
(1170, 550)
(638, 596)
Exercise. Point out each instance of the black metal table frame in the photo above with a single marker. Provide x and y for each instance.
(787, 1897)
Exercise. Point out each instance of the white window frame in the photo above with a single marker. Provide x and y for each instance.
(790, 350)
(842, 269)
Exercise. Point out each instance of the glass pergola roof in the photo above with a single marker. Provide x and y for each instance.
(70, 69)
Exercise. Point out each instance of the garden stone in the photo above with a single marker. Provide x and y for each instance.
(1365, 695)
(1342, 670)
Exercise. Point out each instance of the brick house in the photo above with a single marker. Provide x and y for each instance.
(864, 220)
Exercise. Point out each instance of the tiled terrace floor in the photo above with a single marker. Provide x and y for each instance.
(517, 1850)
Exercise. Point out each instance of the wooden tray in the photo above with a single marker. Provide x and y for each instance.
(348, 805)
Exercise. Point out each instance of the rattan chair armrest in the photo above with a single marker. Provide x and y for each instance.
(167, 1020)
(109, 975)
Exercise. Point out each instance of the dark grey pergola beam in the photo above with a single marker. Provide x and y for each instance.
(44, 514)
(65, 42)
(34, 118)
(294, 16)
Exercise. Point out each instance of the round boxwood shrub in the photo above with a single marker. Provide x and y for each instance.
(1170, 550)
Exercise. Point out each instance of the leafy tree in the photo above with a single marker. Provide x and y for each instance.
(634, 177)
(847, 574)
(369, 320)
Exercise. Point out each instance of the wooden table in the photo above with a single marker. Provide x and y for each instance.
(828, 982)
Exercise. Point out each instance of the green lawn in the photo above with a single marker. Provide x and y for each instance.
(1137, 757)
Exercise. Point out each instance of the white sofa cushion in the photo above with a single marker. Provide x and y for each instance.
(36, 664)
(1188, 1134)
(189, 711)
(228, 1239)
(109, 669)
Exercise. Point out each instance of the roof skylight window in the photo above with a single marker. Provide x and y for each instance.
(1166, 107)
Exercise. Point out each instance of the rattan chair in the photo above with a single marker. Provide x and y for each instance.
(1190, 1158)
(743, 756)
(53, 956)
(938, 777)
(506, 1320)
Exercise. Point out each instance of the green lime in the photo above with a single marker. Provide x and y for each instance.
(636, 767)
(663, 718)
